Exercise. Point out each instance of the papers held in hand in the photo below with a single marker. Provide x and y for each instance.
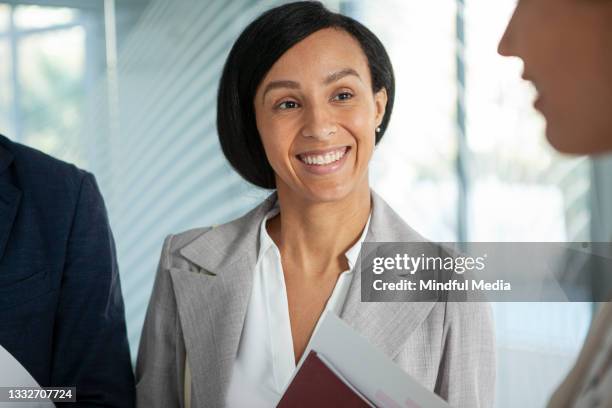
(14, 376)
(318, 384)
(342, 369)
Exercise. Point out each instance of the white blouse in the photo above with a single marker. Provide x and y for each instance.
(265, 360)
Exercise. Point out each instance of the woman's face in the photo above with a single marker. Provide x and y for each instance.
(317, 116)
(566, 47)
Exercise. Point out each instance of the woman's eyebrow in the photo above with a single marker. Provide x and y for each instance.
(333, 77)
(279, 84)
(340, 74)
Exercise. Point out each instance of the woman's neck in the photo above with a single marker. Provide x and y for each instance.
(314, 236)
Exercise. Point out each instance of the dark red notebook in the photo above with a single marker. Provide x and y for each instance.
(316, 385)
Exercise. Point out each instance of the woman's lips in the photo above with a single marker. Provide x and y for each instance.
(538, 103)
(324, 162)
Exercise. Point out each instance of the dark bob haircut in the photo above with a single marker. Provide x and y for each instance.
(259, 46)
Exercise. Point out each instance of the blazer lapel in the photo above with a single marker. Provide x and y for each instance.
(10, 196)
(387, 325)
(212, 304)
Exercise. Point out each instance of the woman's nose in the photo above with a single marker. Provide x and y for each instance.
(506, 46)
(319, 123)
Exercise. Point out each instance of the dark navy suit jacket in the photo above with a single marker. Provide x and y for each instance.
(61, 310)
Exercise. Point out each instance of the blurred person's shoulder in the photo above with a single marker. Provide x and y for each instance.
(39, 173)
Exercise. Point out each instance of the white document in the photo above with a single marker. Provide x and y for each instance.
(367, 369)
(14, 375)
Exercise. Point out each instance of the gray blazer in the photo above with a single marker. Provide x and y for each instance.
(200, 298)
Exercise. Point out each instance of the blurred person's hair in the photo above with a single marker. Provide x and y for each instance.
(255, 51)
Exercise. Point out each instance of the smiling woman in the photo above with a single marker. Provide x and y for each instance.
(321, 122)
(304, 97)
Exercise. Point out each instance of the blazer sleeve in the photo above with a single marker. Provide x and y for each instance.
(90, 349)
(467, 370)
(161, 356)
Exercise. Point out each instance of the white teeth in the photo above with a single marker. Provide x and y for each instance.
(324, 160)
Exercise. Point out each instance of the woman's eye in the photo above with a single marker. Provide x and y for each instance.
(287, 105)
(342, 96)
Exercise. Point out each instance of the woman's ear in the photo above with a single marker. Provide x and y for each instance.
(380, 100)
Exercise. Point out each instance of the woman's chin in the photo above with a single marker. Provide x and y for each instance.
(573, 141)
(324, 189)
(332, 193)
